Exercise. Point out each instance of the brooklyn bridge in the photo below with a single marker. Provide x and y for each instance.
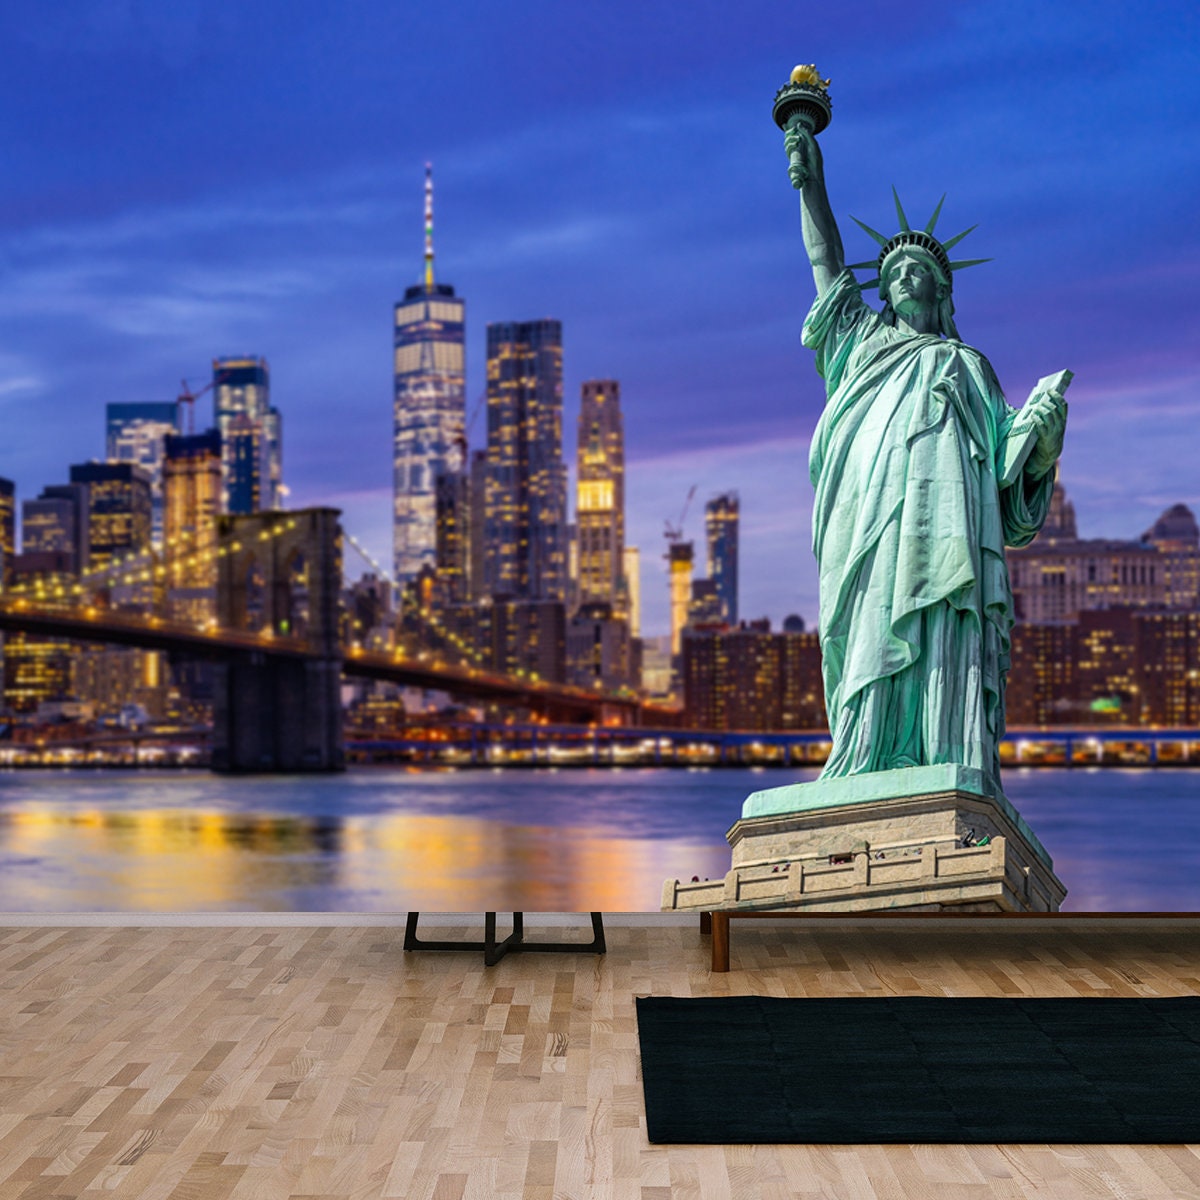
(273, 631)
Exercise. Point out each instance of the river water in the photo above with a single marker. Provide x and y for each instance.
(566, 840)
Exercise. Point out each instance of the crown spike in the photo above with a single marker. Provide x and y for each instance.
(904, 225)
(862, 287)
(864, 266)
(937, 212)
(868, 230)
(968, 262)
(958, 237)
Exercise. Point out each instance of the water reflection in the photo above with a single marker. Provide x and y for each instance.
(577, 840)
(156, 861)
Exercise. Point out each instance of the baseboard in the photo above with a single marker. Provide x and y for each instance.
(617, 920)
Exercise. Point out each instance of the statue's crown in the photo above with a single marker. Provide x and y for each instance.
(909, 239)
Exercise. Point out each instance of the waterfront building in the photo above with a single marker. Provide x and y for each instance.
(368, 604)
(632, 569)
(38, 670)
(1167, 679)
(1117, 666)
(1060, 575)
(8, 529)
(599, 649)
(572, 598)
(119, 567)
(505, 635)
(192, 502)
(705, 606)
(1105, 629)
(119, 515)
(680, 556)
(508, 635)
(655, 667)
(600, 498)
(135, 433)
(429, 408)
(721, 528)
(251, 433)
(753, 679)
(525, 505)
(528, 637)
(453, 541)
(112, 678)
(477, 500)
(56, 523)
(1176, 537)
(1041, 681)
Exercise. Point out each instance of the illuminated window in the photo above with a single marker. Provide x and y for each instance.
(408, 358)
(595, 495)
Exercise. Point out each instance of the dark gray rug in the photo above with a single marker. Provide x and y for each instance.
(917, 1069)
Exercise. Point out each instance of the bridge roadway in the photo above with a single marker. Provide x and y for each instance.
(98, 624)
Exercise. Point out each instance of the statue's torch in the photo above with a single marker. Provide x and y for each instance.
(803, 100)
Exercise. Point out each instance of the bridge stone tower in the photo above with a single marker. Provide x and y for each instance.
(278, 708)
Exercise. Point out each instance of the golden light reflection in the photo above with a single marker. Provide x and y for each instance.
(168, 860)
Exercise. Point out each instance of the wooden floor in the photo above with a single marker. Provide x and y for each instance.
(213, 1063)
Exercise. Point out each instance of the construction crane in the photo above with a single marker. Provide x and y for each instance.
(188, 397)
(674, 533)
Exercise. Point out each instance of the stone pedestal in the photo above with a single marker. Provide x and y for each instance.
(918, 839)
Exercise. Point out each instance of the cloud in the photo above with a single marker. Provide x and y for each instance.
(18, 385)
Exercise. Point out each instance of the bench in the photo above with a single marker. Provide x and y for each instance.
(494, 951)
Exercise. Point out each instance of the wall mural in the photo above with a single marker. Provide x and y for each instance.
(555, 619)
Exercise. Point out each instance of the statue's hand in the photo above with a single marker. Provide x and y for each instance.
(1048, 415)
(804, 156)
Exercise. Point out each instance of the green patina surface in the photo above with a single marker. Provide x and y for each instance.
(923, 474)
(903, 783)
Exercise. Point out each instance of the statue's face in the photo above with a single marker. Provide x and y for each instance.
(912, 284)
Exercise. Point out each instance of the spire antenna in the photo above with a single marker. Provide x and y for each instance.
(429, 227)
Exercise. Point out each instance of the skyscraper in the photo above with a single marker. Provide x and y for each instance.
(118, 511)
(192, 500)
(8, 529)
(56, 523)
(429, 408)
(251, 435)
(633, 582)
(680, 556)
(600, 497)
(134, 433)
(53, 549)
(721, 526)
(525, 520)
(453, 504)
(477, 502)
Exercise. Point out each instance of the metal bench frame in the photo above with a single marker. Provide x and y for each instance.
(494, 951)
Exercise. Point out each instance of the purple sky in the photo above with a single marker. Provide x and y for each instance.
(197, 179)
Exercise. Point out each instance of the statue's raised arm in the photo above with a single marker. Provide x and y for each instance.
(822, 239)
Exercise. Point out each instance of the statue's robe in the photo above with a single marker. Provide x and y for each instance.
(909, 528)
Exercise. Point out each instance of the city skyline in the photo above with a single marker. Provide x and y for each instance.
(635, 190)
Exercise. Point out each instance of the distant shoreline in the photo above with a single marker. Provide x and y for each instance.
(487, 768)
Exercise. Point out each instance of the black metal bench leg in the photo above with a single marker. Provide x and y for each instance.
(494, 951)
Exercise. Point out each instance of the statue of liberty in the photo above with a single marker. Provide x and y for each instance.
(923, 474)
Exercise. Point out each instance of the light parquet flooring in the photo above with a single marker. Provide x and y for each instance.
(187, 1063)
